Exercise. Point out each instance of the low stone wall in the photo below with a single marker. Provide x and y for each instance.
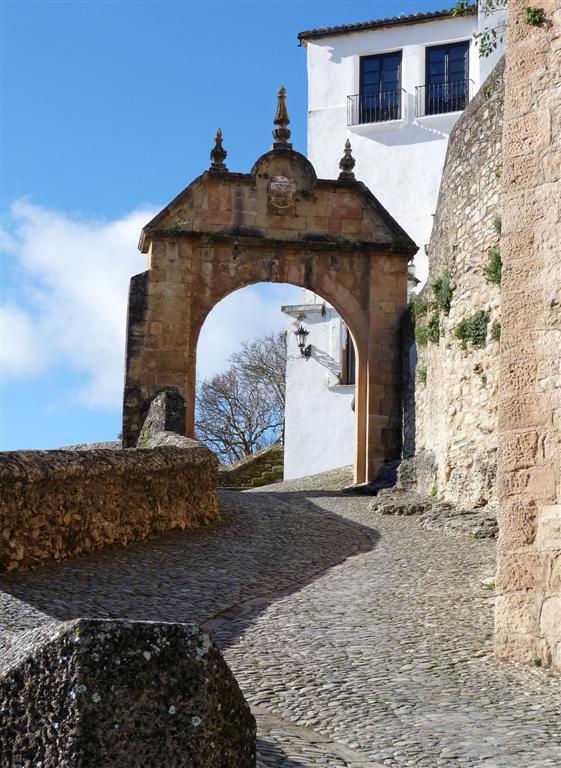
(121, 694)
(264, 467)
(55, 505)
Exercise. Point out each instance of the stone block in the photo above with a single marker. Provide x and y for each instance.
(554, 581)
(522, 412)
(517, 450)
(549, 527)
(533, 485)
(518, 613)
(551, 166)
(510, 646)
(524, 62)
(550, 620)
(521, 571)
(517, 525)
(121, 694)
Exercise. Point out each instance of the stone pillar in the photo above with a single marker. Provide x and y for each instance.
(388, 292)
(528, 608)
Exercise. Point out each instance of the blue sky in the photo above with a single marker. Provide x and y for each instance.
(109, 110)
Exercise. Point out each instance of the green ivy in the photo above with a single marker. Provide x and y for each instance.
(496, 331)
(535, 17)
(498, 225)
(421, 335)
(473, 329)
(418, 307)
(433, 328)
(442, 292)
(422, 374)
(494, 268)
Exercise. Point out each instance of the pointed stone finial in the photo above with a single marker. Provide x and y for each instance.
(347, 163)
(281, 134)
(218, 153)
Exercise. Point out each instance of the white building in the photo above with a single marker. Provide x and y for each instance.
(394, 88)
(319, 416)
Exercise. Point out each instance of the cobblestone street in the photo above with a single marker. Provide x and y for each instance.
(358, 640)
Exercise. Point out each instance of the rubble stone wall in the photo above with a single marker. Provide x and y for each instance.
(528, 608)
(451, 388)
(57, 504)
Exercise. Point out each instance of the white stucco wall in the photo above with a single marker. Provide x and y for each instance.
(494, 20)
(401, 161)
(320, 422)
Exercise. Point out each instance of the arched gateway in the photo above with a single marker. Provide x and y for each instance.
(280, 224)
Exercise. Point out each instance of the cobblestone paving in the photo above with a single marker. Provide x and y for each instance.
(359, 640)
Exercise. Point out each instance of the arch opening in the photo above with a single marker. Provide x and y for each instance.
(277, 224)
(317, 424)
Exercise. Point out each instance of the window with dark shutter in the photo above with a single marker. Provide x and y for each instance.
(447, 78)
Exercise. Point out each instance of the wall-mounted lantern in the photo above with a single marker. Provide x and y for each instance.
(301, 335)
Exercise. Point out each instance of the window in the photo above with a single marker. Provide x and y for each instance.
(348, 361)
(447, 79)
(380, 90)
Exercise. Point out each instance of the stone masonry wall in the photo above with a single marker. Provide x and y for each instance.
(265, 466)
(58, 504)
(528, 608)
(451, 415)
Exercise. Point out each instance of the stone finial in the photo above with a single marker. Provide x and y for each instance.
(281, 134)
(218, 153)
(347, 163)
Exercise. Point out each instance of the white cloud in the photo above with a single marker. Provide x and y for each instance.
(20, 352)
(68, 309)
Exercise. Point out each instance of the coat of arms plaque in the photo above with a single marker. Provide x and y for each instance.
(281, 192)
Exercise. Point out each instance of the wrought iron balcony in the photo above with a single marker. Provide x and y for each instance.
(439, 98)
(374, 107)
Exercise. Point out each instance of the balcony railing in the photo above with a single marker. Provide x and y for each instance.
(374, 107)
(439, 98)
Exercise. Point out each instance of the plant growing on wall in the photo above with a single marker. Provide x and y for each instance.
(418, 307)
(422, 374)
(433, 328)
(494, 266)
(473, 330)
(493, 269)
(496, 331)
(535, 17)
(421, 335)
(442, 292)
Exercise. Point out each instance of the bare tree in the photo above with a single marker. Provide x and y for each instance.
(242, 410)
(262, 363)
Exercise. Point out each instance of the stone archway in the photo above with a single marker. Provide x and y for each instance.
(278, 223)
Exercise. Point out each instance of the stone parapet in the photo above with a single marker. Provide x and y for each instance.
(58, 504)
(262, 468)
(121, 694)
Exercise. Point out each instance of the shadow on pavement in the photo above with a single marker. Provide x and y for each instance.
(268, 545)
